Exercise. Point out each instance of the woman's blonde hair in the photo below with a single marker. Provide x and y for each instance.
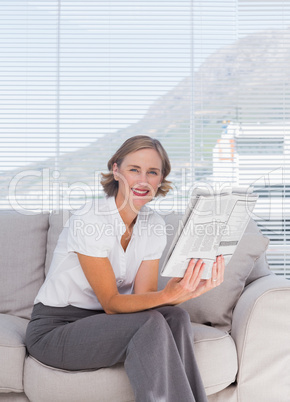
(134, 144)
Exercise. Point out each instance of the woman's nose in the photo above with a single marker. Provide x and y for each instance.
(143, 178)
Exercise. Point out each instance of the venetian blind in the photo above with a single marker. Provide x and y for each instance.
(208, 79)
(242, 108)
(77, 79)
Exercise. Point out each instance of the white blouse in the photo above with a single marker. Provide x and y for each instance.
(97, 232)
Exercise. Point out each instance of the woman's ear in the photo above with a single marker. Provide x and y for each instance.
(115, 171)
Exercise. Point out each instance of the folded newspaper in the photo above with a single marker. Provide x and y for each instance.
(213, 224)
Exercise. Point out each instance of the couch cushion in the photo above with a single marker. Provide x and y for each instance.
(23, 249)
(57, 221)
(216, 357)
(261, 268)
(47, 384)
(216, 306)
(12, 352)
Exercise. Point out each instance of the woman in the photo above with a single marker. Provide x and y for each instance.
(99, 304)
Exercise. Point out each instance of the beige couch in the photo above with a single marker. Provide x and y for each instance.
(242, 328)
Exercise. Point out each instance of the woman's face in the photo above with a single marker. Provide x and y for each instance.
(139, 177)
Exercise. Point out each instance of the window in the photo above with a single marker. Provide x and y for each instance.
(209, 79)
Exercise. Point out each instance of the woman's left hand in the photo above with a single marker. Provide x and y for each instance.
(216, 279)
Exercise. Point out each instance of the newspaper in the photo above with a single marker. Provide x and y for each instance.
(213, 224)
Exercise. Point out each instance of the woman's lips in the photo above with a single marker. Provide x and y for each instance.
(140, 193)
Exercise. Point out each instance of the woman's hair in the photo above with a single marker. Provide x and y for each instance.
(134, 144)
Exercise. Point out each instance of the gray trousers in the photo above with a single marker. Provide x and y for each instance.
(155, 345)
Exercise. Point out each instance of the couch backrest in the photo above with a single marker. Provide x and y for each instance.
(23, 241)
(57, 221)
(248, 264)
(27, 245)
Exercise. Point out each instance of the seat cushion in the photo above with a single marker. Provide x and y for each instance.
(216, 357)
(46, 384)
(12, 352)
(23, 249)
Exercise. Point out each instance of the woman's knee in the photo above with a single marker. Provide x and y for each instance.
(153, 324)
(178, 319)
(175, 313)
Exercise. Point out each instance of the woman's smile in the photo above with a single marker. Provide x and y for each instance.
(139, 192)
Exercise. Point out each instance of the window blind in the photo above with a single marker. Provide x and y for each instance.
(242, 108)
(208, 79)
(78, 78)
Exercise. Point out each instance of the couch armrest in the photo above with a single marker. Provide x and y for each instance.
(261, 330)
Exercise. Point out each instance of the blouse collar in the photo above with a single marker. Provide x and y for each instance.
(142, 215)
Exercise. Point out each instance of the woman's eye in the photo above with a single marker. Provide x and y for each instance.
(150, 172)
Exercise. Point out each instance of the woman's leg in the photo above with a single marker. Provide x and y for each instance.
(76, 339)
(164, 350)
(179, 322)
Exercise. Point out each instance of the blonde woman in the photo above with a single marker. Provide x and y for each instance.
(99, 304)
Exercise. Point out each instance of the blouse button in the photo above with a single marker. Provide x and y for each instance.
(120, 281)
